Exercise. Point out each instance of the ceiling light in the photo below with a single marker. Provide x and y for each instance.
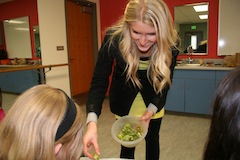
(14, 21)
(201, 8)
(22, 29)
(205, 16)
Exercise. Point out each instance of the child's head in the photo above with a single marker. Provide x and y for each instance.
(39, 120)
(224, 135)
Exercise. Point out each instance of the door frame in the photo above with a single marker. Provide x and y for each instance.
(98, 21)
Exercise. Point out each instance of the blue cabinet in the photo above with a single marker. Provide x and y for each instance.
(18, 82)
(175, 97)
(198, 96)
(192, 91)
(220, 75)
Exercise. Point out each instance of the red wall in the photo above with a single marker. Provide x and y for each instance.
(20, 8)
(111, 10)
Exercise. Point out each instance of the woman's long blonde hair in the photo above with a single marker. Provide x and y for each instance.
(154, 13)
(28, 131)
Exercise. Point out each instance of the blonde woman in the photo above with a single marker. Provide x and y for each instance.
(141, 49)
(43, 123)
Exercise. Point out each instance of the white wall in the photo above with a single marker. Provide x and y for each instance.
(52, 29)
(228, 27)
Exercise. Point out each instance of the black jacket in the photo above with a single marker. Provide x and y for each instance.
(121, 94)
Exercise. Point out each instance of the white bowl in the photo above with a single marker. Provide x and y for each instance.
(86, 158)
(118, 125)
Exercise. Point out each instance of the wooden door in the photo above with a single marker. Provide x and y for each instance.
(80, 46)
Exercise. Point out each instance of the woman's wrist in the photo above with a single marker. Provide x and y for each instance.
(151, 107)
(92, 125)
(91, 117)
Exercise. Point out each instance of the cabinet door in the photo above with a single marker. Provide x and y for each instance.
(175, 98)
(220, 75)
(18, 82)
(199, 96)
(4, 81)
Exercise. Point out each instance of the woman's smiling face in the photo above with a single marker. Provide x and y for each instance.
(143, 35)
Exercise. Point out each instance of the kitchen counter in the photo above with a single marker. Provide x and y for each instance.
(18, 78)
(15, 68)
(203, 67)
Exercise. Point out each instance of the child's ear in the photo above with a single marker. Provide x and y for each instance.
(57, 148)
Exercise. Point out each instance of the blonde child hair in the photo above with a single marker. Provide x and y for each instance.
(32, 124)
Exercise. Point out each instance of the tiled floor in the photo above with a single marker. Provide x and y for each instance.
(7, 100)
(182, 137)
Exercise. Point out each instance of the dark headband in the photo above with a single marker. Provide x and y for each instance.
(68, 119)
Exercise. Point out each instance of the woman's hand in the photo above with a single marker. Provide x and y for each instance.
(147, 116)
(90, 140)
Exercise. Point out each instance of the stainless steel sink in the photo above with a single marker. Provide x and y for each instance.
(191, 64)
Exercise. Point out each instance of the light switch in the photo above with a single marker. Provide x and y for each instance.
(60, 48)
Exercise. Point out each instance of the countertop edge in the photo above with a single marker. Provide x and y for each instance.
(203, 68)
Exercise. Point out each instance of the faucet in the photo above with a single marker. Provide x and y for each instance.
(190, 51)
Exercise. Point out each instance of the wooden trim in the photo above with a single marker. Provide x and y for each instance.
(30, 67)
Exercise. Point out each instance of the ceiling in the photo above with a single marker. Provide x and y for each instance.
(4, 1)
(186, 14)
